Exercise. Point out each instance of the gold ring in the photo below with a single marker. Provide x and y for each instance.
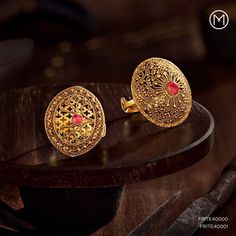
(75, 121)
(160, 92)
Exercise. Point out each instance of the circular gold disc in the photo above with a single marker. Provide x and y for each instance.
(161, 92)
(75, 121)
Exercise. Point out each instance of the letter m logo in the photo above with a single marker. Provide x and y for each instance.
(218, 19)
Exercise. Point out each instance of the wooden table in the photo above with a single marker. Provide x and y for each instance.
(139, 200)
(135, 150)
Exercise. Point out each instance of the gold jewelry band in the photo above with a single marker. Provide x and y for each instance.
(128, 106)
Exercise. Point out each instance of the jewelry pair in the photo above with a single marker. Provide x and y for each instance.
(75, 120)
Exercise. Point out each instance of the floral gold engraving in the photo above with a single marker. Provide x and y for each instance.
(150, 94)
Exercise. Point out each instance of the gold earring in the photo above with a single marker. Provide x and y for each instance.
(160, 92)
(75, 121)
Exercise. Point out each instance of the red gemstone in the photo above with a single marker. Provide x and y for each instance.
(77, 119)
(172, 88)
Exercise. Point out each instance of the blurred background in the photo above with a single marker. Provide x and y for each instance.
(56, 41)
(59, 41)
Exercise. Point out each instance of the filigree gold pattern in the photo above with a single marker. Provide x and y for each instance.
(70, 138)
(149, 89)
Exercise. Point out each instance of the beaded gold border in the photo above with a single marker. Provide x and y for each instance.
(152, 99)
(98, 132)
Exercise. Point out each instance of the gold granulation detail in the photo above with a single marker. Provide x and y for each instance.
(70, 138)
(149, 92)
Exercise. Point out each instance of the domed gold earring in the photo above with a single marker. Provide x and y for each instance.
(75, 121)
(160, 92)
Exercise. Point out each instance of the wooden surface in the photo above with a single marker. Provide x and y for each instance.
(141, 199)
(215, 89)
(113, 58)
(133, 150)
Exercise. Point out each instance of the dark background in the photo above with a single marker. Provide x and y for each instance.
(106, 40)
(48, 42)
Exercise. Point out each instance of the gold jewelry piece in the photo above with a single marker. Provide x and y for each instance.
(160, 92)
(75, 121)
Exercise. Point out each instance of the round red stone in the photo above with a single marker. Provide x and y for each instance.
(77, 119)
(172, 88)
